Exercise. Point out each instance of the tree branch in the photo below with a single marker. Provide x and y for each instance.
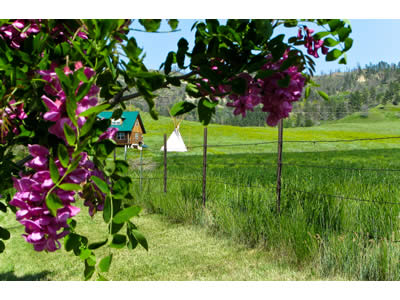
(120, 98)
(21, 162)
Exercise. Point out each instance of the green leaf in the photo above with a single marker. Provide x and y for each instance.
(173, 23)
(205, 113)
(320, 35)
(103, 186)
(151, 25)
(105, 148)
(181, 108)
(71, 242)
(290, 23)
(307, 92)
(323, 95)
(97, 245)
(94, 110)
(117, 114)
(116, 227)
(347, 44)
(70, 187)
(121, 168)
(63, 155)
(107, 209)
(53, 203)
(344, 33)
(330, 42)
(126, 214)
(140, 238)
(183, 47)
(335, 24)
(192, 90)
(85, 253)
(54, 175)
(70, 134)
(121, 187)
(91, 260)
(343, 60)
(89, 271)
(2, 247)
(118, 241)
(71, 223)
(87, 127)
(3, 208)
(64, 80)
(105, 263)
(4, 234)
(83, 90)
(71, 107)
(171, 58)
(333, 55)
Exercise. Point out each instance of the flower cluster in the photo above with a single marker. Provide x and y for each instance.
(44, 230)
(57, 108)
(276, 99)
(310, 43)
(8, 116)
(18, 31)
(61, 33)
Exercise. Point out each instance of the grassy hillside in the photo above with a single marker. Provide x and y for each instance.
(378, 123)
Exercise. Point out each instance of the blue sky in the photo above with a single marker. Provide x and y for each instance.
(374, 40)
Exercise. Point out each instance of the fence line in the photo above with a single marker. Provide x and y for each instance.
(297, 141)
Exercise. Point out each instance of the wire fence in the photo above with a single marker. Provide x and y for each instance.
(206, 164)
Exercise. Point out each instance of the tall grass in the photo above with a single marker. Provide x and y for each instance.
(324, 219)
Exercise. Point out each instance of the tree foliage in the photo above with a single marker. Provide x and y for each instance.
(56, 76)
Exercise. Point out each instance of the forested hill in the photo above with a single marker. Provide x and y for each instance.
(356, 90)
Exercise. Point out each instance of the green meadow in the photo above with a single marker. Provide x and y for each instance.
(339, 215)
(340, 200)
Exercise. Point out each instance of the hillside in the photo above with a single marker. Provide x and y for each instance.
(377, 122)
(357, 90)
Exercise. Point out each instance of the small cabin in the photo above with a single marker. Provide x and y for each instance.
(130, 128)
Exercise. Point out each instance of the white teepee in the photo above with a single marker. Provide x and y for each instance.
(175, 142)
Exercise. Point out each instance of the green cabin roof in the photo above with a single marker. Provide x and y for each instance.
(128, 120)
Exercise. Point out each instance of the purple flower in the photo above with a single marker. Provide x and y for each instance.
(108, 134)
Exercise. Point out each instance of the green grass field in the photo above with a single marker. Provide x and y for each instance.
(342, 221)
(239, 236)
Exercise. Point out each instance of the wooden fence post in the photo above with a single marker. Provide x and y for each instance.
(141, 168)
(279, 167)
(204, 166)
(165, 162)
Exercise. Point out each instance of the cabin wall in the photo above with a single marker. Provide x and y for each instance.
(136, 133)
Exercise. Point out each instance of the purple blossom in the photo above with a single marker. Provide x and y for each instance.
(8, 117)
(108, 134)
(42, 229)
(18, 31)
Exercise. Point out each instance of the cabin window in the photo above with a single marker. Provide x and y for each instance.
(116, 122)
(136, 136)
(121, 135)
